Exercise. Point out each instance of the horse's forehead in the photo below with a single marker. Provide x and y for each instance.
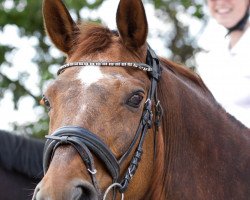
(106, 78)
(89, 75)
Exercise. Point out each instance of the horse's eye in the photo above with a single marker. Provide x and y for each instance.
(135, 100)
(44, 101)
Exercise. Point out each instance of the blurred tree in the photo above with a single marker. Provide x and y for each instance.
(179, 41)
(26, 16)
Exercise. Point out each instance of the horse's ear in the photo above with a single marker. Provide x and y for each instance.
(132, 23)
(59, 25)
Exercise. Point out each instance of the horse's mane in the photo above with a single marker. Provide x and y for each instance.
(184, 71)
(21, 154)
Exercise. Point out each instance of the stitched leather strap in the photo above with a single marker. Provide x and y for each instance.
(81, 137)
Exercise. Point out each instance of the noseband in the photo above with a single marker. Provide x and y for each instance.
(85, 142)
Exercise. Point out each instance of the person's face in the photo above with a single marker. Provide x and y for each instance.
(228, 12)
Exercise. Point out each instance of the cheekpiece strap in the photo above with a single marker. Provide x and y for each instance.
(146, 119)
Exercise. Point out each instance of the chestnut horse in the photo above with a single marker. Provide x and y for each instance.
(105, 107)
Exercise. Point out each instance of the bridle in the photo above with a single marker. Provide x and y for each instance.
(85, 142)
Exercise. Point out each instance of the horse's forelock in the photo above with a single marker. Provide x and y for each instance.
(91, 39)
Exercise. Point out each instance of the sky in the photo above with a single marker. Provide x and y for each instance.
(21, 59)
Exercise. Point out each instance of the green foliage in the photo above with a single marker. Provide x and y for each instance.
(27, 16)
(3, 50)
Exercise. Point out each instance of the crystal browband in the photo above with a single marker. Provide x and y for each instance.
(141, 66)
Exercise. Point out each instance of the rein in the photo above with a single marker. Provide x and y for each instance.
(85, 142)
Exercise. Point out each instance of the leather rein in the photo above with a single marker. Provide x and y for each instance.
(85, 142)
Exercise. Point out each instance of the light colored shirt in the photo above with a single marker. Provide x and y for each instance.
(226, 72)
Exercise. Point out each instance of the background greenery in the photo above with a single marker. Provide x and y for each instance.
(26, 15)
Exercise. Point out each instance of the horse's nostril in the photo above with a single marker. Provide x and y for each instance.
(37, 193)
(84, 192)
(79, 190)
(77, 193)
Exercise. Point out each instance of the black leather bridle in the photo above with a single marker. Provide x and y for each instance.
(85, 142)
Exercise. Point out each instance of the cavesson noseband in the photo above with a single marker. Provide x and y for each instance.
(85, 142)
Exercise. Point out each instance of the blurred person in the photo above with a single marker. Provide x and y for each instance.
(226, 69)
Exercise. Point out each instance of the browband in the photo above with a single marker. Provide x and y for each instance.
(141, 66)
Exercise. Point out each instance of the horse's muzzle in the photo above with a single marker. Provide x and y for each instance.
(76, 190)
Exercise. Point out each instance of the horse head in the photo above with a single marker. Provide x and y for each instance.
(101, 107)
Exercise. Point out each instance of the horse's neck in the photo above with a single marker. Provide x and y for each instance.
(201, 142)
(199, 121)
